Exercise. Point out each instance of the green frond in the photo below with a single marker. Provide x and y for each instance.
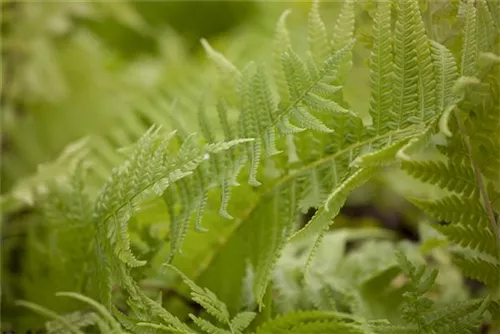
(469, 53)
(222, 62)
(301, 83)
(343, 33)
(317, 36)
(452, 177)
(179, 223)
(78, 318)
(467, 236)
(114, 325)
(272, 235)
(297, 75)
(305, 120)
(242, 320)
(206, 299)
(318, 103)
(132, 325)
(381, 68)
(344, 26)
(453, 208)
(263, 102)
(207, 327)
(143, 325)
(385, 156)
(253, 122)
(485, 30)
(385, 328)
(481, 268)
(70, 327)
(426, 77)
(147, 310)
(461, 317)
(446, 75)
(311, 322)
(331, 207)
(27, 191)
(281, 45)
(405, 83)
(147, 173)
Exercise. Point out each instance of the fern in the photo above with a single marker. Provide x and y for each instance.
(312, 322)
(291, 131)
(467, 182)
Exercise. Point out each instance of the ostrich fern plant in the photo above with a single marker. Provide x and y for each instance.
(285, 140)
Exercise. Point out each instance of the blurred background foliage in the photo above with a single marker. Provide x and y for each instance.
(70, 68)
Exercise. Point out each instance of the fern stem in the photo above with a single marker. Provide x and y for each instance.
(479, 180)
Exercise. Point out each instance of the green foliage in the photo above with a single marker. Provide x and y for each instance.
(280, 135)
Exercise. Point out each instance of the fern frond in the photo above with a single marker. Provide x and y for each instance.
(27, 191)
(446, 75)
(486, 27)
(222, 62)
(344, 26)
(70, 327)
(132, 325)
(148, 172)
(405, 84)
(467, 236)
(469, 53)
(311, 322)
(114, 325)
(482, 268)
(207, 327)
(281, 45)
(257, 117)
(206, 298)
(78, 318)
(426, 78)
(317, 36)
(343, 32)
(469, 211)
(452, 177)
(462, 317)
(241, 321)
(147, 310)
(323, 217)
(381, 68)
